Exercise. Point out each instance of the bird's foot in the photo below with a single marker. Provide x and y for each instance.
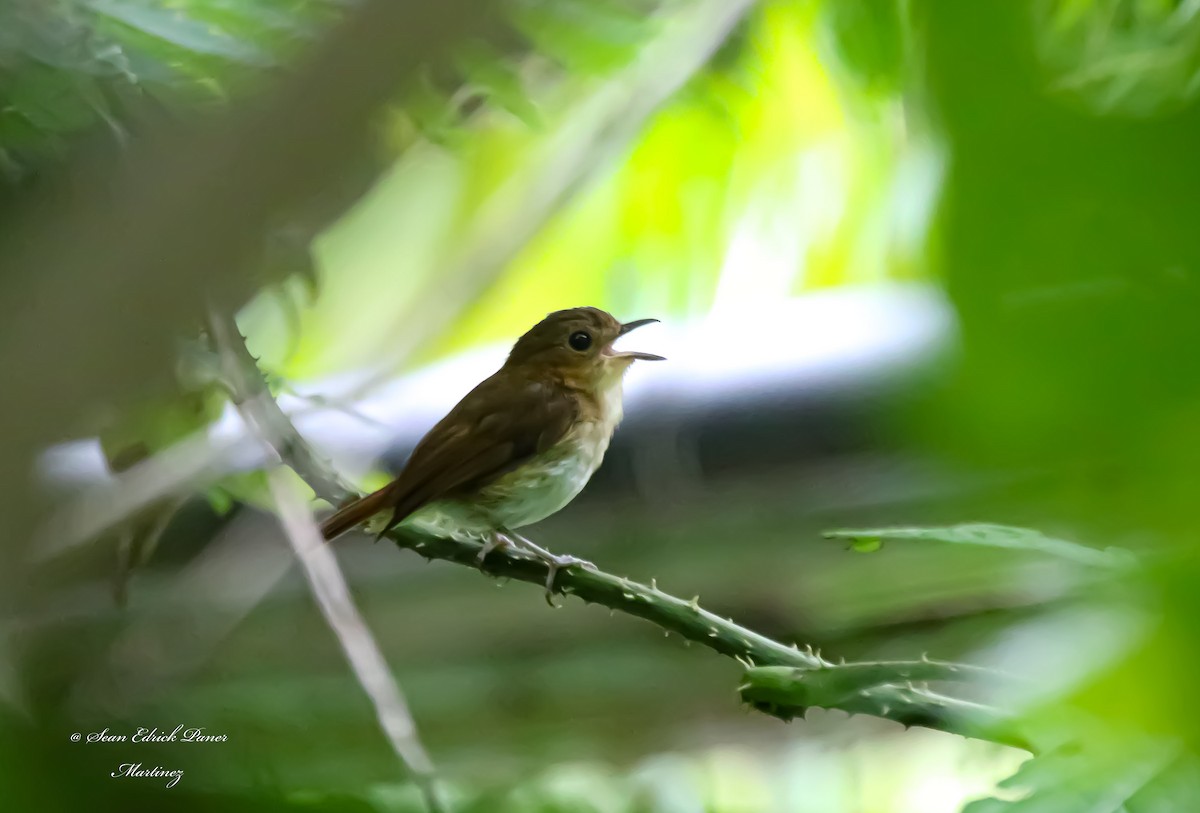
(554, 562)
(496, 540)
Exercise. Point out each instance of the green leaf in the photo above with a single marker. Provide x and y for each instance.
(826, 686)
(1129, 776)
(153, 423)
(989, 536)
(495, 78)
(434, 114)
(50, 100)
(220, 500)
(866, 544)
(868, 37)
(588, 36)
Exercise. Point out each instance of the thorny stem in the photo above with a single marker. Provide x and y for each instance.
(880, 689)
(249, 393)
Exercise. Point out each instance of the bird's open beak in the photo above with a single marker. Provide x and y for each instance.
(633, 354)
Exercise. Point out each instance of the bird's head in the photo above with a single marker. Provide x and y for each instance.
(577, 344)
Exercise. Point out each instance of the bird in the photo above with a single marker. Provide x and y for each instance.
(518, 447)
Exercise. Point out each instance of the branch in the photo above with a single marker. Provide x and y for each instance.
(262, 413)
(882, 689)
(329, 586)
(879, 689)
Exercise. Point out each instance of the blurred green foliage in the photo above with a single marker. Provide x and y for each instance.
(71, 67)
(682, 223)
(1116, 57)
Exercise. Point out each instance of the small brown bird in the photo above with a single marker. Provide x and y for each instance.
(519, 446)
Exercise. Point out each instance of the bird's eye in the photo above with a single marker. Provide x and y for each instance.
(580, 340)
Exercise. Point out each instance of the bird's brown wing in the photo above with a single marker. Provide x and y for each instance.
(498, 426)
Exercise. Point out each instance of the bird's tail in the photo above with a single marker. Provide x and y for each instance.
(354, 513)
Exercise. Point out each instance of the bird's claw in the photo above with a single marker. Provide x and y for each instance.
(556, 563)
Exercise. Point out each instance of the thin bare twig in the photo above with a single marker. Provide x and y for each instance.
(137, 543)
(262, 413)
(329, 586)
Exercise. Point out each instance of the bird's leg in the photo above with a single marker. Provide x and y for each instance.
(554, 562)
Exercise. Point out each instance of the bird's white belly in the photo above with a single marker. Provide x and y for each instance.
(543, 486)
(526, 494)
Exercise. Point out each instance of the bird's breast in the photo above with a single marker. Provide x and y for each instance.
(546, 483)
(538, 487)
